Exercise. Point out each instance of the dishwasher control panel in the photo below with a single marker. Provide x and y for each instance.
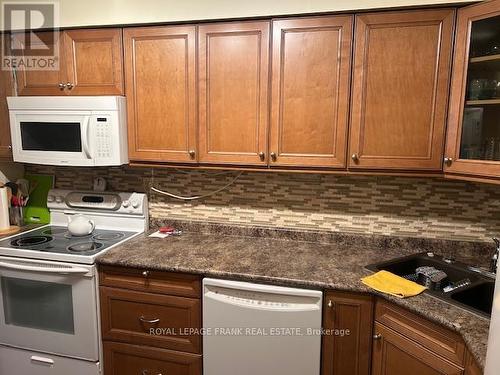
(262, 300)
(253, 298)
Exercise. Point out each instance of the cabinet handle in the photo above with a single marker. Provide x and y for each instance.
(149, 321)
(262, 156)
(69, 85)
(448, 161)
(273, 156)
(145, 273)
(62, 86)
(355, 157)
(192, 153)
(377, 336)
(146, 372)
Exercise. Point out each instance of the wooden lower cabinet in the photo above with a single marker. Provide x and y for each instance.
(347, 320)
(406, 343)
(363, 335)
(471, 367)
(433, 337)
(125, 359)
(395, 354)
(161, 282)
(150, 322)
(130, 316)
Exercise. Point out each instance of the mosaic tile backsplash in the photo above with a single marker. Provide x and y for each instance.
(400, 206)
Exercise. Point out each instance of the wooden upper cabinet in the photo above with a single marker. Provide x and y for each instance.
(94, 61)
(41, 82)
(473, 139)
(90, 62)
(310, 91)
(233, 92)
(349, 351)
(395, 354)
(402, 64)
(6, 89)
(160, 66)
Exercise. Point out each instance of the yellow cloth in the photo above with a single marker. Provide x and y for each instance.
(386, 282)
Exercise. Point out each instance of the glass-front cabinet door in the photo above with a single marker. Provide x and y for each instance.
(473, 142)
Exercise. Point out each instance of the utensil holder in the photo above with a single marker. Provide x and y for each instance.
(16, 216)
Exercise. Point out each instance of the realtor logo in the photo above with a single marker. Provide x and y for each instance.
(34, 41)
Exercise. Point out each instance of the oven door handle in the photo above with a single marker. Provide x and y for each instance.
(45, 269)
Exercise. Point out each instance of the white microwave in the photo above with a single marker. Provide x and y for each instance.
(73, 131)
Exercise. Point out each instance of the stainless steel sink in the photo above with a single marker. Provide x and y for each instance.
(468, 287)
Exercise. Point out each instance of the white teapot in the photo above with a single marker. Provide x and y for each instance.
(80, 225)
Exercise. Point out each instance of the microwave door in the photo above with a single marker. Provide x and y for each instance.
(52, 138)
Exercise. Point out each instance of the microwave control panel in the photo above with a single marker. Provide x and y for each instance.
(103, 138)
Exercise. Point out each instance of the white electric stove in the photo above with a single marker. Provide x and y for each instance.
(49, 309)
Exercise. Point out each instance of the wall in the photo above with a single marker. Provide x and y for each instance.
(403, 206)
(10, 172)
(98, 12)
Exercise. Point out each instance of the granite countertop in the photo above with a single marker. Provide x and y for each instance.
(310, 260)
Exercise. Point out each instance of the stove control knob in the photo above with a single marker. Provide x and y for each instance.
(59, 200)
(126, 204)
(135, 204)
(50, 198)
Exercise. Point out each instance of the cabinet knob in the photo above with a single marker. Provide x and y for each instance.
(262, 156)
(145, 273)
(69, 85)
(9, 147)
(192, 153)
(62, 86)
(448, 161)
(273, 156)
(377, 336)
(330, 304)
(355, 157)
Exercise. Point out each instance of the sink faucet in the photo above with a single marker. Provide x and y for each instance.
(495, 257)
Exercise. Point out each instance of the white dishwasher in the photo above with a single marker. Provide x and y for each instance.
(260, 329)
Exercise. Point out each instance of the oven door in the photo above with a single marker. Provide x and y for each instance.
(49, 307)
(52, 137)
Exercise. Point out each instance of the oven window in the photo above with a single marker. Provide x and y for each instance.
(51, 136)
(38, 304)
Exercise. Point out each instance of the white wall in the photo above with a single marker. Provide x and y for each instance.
(107, 12)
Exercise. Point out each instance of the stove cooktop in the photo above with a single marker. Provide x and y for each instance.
(57, 240)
